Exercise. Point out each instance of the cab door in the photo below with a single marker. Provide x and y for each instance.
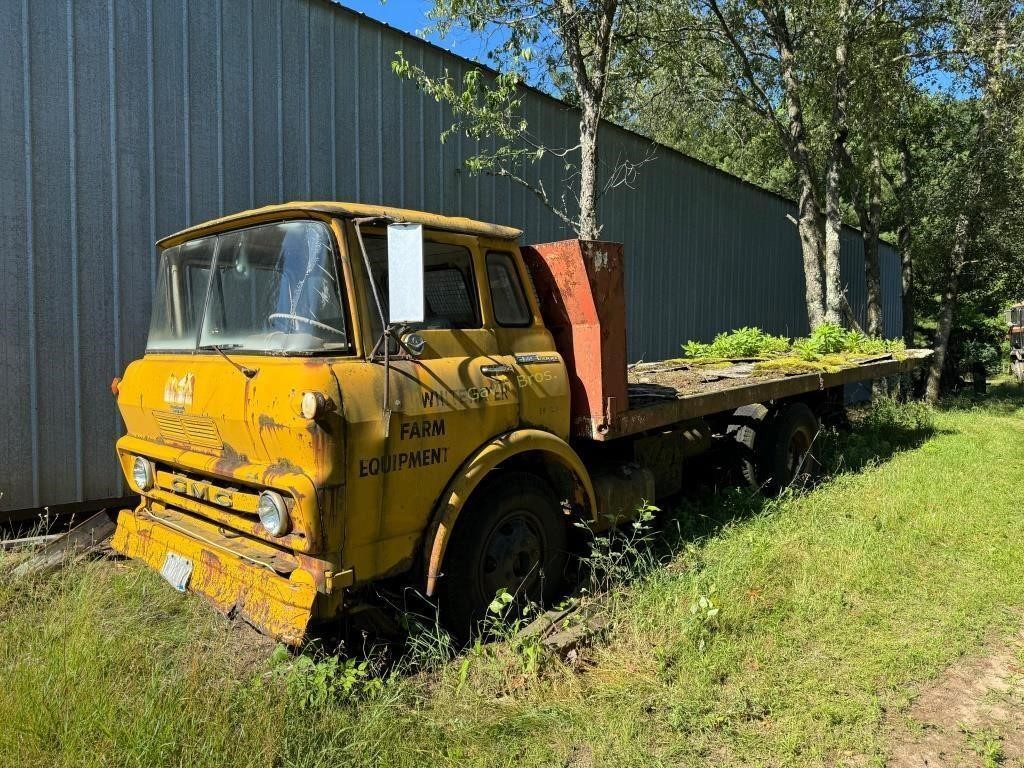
(456, 395)
(524, 342)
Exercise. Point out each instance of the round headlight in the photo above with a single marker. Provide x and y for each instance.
(313, 405)
(273, 513)
(143, 473)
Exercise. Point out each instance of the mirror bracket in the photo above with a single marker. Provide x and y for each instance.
(405, 297)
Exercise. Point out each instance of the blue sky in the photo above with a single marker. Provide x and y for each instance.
(411, 16)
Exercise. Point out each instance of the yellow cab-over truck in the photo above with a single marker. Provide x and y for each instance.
(334, 394)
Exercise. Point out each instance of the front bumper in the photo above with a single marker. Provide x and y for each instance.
(240, 576)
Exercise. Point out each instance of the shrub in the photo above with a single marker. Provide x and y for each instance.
(882, 428)
(745, 342)
(826, 340)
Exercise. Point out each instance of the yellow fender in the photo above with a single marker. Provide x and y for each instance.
(478, 466)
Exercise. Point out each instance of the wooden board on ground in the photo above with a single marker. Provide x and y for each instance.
(70, 547)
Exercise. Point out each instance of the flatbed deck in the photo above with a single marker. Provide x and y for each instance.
(674, 391)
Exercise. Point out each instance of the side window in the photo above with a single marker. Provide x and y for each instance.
(448, 284)
(510, 307)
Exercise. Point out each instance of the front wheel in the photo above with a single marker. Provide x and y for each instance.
(511, 536)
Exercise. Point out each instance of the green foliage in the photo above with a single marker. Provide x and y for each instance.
(828, 348)
(505, 622)
(744, 342)
(483, 107)
(887, 414)
(313, 681)
(936, 99)
(883, 427)
(826, 339)
(987, 743)
(704, 611)
(977, 341)
(428, 645)
(622, 553)
(574, 54)
(830, 339)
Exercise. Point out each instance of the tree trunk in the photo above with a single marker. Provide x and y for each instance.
(870, 233)
(907, 279)
(809, 225)
(589, 53)
(905, 244)
(949, 297)
(810, 220)
(833, 200)
(833, 241)
(965, 220)
(872, 274)
(590, 120)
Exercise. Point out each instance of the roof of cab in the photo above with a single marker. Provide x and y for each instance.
(343, 210)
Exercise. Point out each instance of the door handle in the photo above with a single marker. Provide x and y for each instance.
(496, 370)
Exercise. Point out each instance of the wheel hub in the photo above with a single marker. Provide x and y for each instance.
(512, 556)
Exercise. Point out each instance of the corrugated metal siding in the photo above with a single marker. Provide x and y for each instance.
(126, 120)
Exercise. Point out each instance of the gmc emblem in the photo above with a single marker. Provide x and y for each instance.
(201, 491)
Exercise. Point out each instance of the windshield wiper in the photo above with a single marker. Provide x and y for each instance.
(247, 372)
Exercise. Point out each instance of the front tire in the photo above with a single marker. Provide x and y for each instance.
(511, 536)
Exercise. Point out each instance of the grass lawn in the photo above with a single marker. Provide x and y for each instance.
(824, 614)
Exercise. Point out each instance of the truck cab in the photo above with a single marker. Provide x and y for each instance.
(291, 439)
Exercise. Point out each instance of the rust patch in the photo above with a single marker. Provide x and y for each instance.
(230, 461)
(581, 288)
(283, 466)
(210, 560)
(269, 422)
(316, 568)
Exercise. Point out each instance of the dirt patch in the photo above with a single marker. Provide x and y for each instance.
(972, 716)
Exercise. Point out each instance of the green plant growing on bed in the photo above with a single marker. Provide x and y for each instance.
(829, 348)
(741, 343)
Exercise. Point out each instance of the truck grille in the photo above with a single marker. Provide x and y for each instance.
(228, 504)
(198, 431)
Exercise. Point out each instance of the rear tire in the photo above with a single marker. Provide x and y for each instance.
(748, 423)
(790, 459)
(511, 536)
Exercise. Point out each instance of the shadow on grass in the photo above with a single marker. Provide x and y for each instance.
(1004, 397)
(407, 624)
(874, 434)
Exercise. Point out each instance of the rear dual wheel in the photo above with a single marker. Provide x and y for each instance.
(776, 447)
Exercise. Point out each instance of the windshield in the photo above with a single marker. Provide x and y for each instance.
(273, 288)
